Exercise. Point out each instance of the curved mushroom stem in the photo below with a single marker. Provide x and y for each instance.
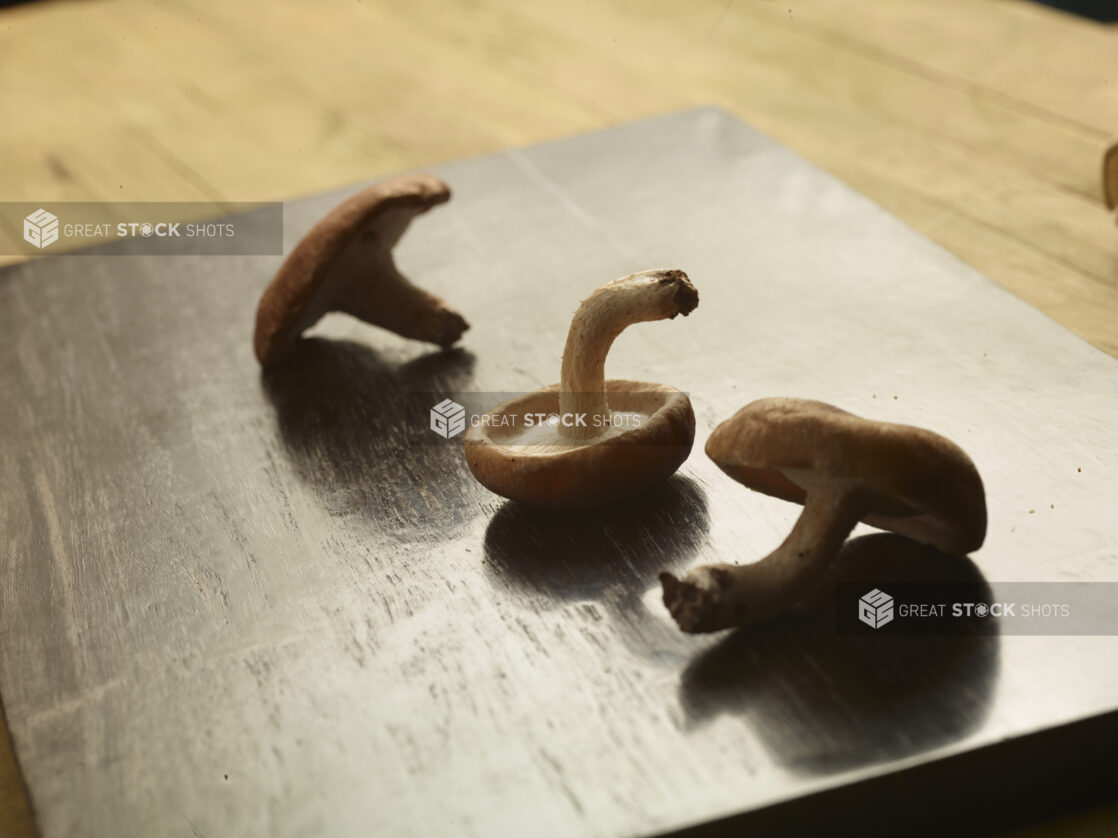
(1110, 176)
(637, 298)
(720, 596)
(387, 299)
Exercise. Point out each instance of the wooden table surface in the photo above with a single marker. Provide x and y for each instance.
(981, 124)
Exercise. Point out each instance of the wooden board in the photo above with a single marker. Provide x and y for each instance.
(237, 603)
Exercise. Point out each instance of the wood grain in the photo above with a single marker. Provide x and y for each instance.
(994, 153)
(989, 153)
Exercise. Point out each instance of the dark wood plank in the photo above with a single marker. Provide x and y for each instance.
(233, 603)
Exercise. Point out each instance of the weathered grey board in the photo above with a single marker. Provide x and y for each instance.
(235, 604)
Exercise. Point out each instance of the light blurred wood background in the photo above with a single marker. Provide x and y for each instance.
(980, 123)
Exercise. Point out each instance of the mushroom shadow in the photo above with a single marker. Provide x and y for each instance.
(344, 420)
(822, 701)
(609, 553)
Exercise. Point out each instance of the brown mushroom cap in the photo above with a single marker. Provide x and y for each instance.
(918, 483)
(344, 263)
(522, 464)
(1110, 176)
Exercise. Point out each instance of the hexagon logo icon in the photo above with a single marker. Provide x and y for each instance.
(448, 419)
(40, 228)
(875, 609)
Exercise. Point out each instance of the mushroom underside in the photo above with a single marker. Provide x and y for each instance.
(533, 464)
(883, 509)
(344, 263)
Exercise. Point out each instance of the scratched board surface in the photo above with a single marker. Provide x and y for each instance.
(234, 603)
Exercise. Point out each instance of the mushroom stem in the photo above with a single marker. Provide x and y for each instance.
(387, 299)
(720, 596)
(1110, 176)
(637, 298)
